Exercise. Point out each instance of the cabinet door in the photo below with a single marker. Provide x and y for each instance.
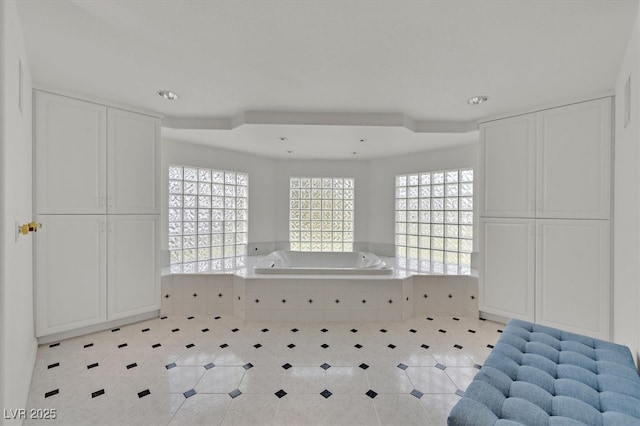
(572, 275)
(133, 163)
(507, 172)
(574, 161)
(70, 145)
(134, 272)
(70, 272)
(507, 267)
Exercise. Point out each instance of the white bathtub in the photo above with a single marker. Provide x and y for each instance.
(297, 262)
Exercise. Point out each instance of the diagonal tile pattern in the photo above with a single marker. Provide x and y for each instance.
(171, 371)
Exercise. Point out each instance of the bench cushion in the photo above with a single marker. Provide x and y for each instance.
(538, 375)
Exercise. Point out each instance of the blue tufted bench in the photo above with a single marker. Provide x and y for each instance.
(538, 375)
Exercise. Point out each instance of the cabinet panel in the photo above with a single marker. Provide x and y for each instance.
(70, 147)
(574, 161)
(133, 163)
(134, 281)
(572, 275)
(507, 172)
(70, 272)
(507, 269)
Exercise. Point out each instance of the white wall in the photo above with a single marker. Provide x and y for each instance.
(382, 183)
(626, 236)
(18, 344)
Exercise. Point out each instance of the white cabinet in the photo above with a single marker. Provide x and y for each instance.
(133, 156)
(574, 161)
(93, 159)
(133, 265)
(98, 199)
(572, 275)
(70, 272)
(70, 151)
(545, 189)
(508, 265)
(507, 174)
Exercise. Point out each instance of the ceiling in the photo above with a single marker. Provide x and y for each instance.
(326, 74)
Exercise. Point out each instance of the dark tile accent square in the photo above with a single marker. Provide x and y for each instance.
(280, 393)
(189, 346)
(90, 366)
(247, 366)
(382, 330)
(325, 366)
(363, 366)
(189, 393)
(291, 346)
(371, 394)
(456, 319)
(490, 346)
(326, 393)
(144, 330)
(163, 318)
(499, 331)
(471, 331)
(224, 345)
(287, 366)
(357, 345)
(295, 330)
(424, 346)
(204, 330)
(54, 365)
(97, 393)
(190, 318)
(401, 366)
(478, 366)
(235, 330)
(235, 393)
(460, 393)
(118, 329)
(441, 366)
(483, 319)
(209, 366)
(170, 366)
(157, 345)
(457, 346)
(216, 318)
(53, 345)
(264, 330)
(175, 330)
(257, 346)
(122, 345)
(429, 318)
(417, 393)
(353, 330)
(144, 393)
(51, 393)
(88, 345)
(324, 346)
(442, 331)
(413, 330)
(392, 346)
(324, 330)
(130, 366)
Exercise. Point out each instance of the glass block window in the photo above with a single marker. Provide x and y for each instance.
(434, 221)
(208, 219)
(321, 214)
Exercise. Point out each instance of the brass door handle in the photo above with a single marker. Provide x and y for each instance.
(29, 227)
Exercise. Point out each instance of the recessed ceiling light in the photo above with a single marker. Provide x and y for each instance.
(168, 95)
(477, 100)
(283, 138)
(363, 140)
(354, 153)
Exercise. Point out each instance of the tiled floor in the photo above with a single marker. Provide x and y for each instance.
(220, 370)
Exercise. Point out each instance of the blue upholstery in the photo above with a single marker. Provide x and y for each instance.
(542, 376)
